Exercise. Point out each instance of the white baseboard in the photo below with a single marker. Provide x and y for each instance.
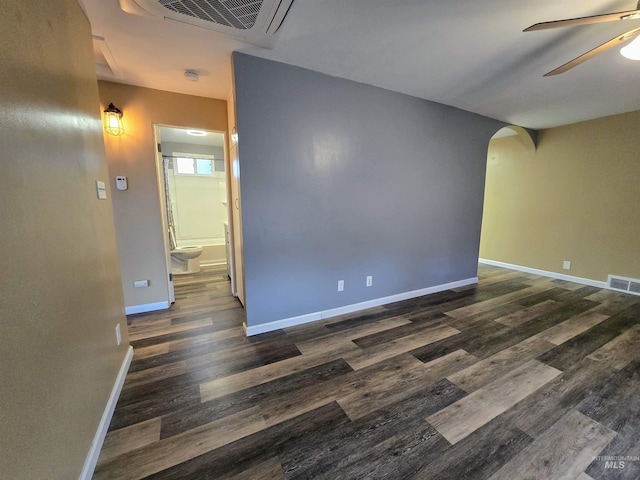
(277, 324)
(535, 271)
(356, 307)
(94, 452)
(147, 307)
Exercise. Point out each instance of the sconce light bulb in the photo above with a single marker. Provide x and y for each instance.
(113, 120)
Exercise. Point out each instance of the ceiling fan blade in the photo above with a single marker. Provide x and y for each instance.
(619, 40)
(571, 22)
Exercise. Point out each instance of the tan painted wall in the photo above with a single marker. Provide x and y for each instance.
(139, 226)
(60, 282)
(576, 198)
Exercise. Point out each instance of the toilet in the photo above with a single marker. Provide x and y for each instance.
(185, 260)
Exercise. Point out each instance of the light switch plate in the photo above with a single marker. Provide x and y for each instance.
(101, 189)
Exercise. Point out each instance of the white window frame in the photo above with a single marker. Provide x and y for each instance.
(194, 157)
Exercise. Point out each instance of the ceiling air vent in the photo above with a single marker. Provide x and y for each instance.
(628, 285)
(252, 21)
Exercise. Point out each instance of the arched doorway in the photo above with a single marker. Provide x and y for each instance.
(510, 149)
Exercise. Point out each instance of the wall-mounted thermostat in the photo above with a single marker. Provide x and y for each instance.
(121, 183)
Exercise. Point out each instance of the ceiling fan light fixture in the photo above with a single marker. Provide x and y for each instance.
(632, 50)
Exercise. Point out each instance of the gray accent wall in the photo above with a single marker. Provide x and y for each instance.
(341, 180)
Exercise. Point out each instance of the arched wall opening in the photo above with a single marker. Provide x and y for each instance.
(509, 153)
(527, 138)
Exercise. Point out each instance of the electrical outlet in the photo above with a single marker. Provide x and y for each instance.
(140, 283)
(566, 265)
(340, 285)
(369, 280)
(118, 336)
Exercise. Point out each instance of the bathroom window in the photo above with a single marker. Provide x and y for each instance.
(204, 166)
(194, 166)
(185, 166)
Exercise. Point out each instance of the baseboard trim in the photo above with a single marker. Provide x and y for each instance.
(284, 323)
(94, 452)
(147, 307)
(356, 307)
(536, 271)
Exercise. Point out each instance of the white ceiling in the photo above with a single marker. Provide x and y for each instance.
(182, 135)
(466, 53)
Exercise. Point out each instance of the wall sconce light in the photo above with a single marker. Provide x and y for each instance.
(113, 120)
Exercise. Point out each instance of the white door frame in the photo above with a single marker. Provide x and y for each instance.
(234, 204)
(163, 211)
(163, 205)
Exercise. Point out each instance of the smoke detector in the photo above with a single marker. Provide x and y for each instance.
(191, 75)
(252, 21)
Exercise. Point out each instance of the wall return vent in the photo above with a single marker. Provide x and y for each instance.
(252, 21)
(622, 284)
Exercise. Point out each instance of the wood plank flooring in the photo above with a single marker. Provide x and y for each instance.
(518, 377)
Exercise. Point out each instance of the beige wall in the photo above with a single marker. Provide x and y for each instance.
(60, 282)
(576, 198)
(139, 226)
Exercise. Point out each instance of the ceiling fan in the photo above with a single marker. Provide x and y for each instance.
(607, 17)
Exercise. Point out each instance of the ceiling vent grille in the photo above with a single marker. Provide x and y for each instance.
(253, 21)
(628, 285)
(233, 14)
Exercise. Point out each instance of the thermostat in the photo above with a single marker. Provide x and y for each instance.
(121, 183)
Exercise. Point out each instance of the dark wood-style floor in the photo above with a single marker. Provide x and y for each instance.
(519, 377)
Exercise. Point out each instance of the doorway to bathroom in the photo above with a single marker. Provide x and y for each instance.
(192, 180)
